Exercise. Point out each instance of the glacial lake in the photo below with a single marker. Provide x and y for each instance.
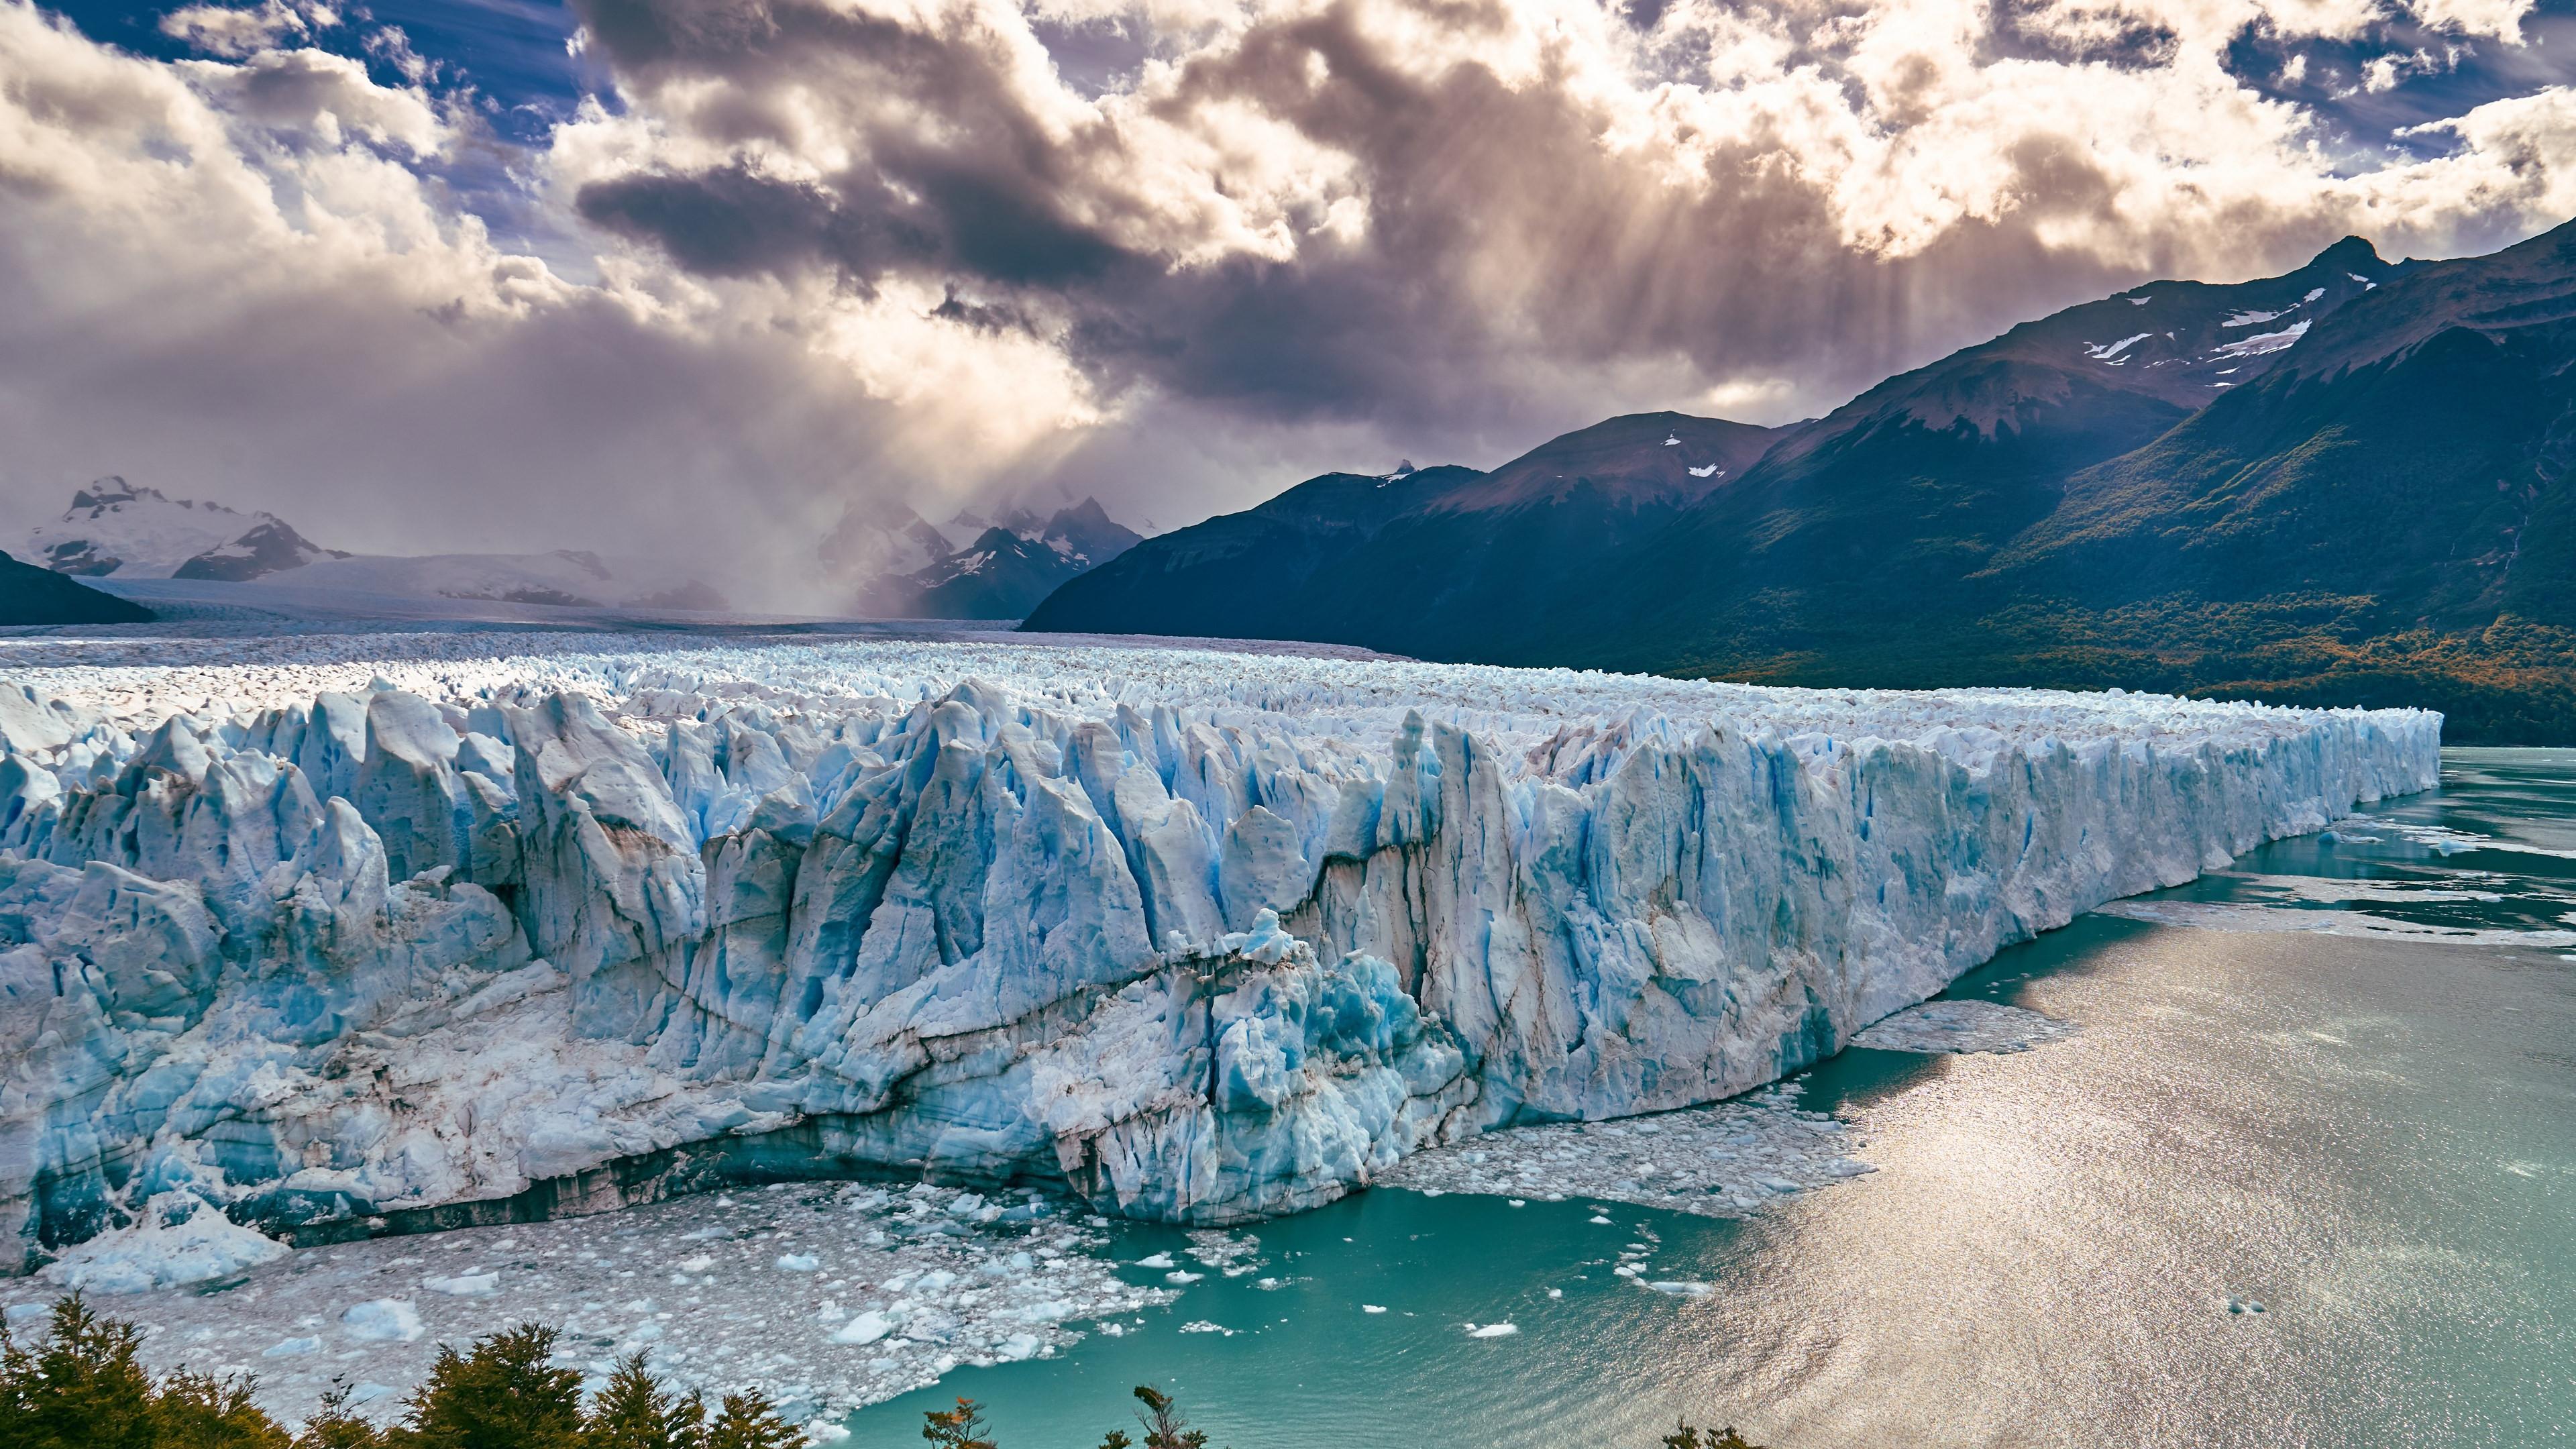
(2338, 1080)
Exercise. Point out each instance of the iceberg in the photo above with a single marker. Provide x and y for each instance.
(344, 934)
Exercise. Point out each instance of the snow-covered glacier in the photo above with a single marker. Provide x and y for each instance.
(343, 933)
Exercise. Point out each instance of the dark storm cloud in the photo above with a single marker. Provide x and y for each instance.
(1504, 249)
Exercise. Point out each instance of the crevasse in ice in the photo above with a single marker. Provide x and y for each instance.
(1201, 936)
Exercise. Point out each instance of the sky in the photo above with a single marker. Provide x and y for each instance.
(694, 277)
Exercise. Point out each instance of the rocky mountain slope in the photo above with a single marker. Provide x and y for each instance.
(2340, 485)
(30, 595)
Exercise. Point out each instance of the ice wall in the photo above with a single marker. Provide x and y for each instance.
(337, 942)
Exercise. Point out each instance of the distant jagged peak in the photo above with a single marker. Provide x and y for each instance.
(111, 493)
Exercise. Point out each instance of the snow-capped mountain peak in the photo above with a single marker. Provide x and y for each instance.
(118, 528)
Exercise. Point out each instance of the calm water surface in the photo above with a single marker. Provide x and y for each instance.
(2375, 1138)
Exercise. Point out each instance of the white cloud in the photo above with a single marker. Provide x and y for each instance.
(225, 30)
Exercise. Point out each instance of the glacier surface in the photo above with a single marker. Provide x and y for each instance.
(349, 933)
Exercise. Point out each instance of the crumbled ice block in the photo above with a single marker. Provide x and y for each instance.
(798, 1263)
(179, 1240)
(1492, 1330)
(1964, 1025)
(1155, 1260)
(393, 1320)
(324, 927)
(1372, 1308)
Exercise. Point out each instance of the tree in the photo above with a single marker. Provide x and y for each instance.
(501, 1396)
(83, 1388)
(750, 1421)
(959, 1428)
(634, 1412)
(1686, 1437)
(200, 1411)
(1164, 1426)
(334, 1427)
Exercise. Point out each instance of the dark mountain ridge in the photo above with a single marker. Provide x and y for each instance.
(2343, 485)
(1005, 570)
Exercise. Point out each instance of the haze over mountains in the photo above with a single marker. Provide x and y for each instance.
(2343, 485)
(878, 563)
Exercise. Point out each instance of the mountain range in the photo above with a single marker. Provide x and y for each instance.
(118, 530)
(894, 565)
(2342, 485)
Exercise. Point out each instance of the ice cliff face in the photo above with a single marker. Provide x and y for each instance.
(331, 939)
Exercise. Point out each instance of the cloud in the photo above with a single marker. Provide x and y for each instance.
(1179, 253)
(224, 30)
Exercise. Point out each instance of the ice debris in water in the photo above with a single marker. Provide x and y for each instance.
(1728, 1160)
(1492, 1330)
(382, 1320)
(327, 928)
(1963, 1025)
(924, 1297)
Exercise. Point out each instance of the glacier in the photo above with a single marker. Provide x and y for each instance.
(355, 933)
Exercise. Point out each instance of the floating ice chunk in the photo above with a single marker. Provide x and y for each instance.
(1680, 1288)
(382, 1320)
(1598, 1219)
(1672, 442)
(1556, 1293)
(699, 1264)
(1158, 1260)
(798, 1263)
(1182, 1275)
(1963, 1025)
(1372, 1308)
(465, 1285)
(1201, 1325)
(1708, 470)
(865, 1328)
(1492, 1330)
(1517, 1201)
(825, 1431)
(288, 1348)
(1016, 1347)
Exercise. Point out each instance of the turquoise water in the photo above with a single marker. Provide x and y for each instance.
(2372, 1137)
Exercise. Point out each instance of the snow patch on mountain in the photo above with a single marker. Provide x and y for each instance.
(2262, 343)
